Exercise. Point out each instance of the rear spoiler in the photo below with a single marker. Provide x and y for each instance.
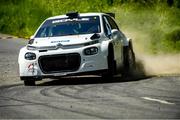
(111, 14)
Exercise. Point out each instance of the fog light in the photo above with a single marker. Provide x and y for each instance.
(91, 51)
(30, 56)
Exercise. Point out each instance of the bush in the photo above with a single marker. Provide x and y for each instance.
(173, 40)
(149, 21)
(174, 36)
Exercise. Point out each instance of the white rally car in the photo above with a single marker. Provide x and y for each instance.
(88, 43)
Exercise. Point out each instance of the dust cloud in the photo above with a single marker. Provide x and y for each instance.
(152, 64)
(165, 64)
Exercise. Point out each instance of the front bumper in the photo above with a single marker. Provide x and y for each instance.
(88, 63)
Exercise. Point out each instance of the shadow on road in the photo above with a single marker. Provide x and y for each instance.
(83, 80)
(138, 74)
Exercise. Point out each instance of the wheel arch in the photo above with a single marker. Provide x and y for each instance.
(105, 47)
(127, 42)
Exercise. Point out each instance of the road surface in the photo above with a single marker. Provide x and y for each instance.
(83, 97)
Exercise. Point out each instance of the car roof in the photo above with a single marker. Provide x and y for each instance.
(80, 14)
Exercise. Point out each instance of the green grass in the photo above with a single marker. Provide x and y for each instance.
(154, 26)
(155, 29)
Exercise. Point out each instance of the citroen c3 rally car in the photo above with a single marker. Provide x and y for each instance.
(73, 44)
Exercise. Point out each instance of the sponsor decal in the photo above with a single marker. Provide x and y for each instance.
(69, 20)
(60, 41)
(31, 67)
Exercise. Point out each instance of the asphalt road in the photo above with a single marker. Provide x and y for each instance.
(84, 97)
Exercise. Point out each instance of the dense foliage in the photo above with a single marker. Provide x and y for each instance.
(154, 24)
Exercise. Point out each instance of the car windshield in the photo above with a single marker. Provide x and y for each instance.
(66, 26)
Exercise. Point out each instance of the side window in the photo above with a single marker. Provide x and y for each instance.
(112, 23)
(107, 27)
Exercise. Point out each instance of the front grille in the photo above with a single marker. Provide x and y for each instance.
(60, 63)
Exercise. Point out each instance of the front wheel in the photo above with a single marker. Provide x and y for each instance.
(111, 65)
(28, 81)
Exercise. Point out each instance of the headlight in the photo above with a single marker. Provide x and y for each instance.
(31, 47)
(91, 51)
(92, 42)
(30, 56)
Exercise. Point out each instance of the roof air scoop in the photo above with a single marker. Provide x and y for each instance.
(72, 15)
(111, 14)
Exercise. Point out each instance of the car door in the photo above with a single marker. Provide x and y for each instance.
(108, 34)
(118, 43)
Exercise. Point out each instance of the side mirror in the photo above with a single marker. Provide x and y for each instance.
(116, 35)
(31, 40)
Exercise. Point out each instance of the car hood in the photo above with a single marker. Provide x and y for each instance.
(63, 40)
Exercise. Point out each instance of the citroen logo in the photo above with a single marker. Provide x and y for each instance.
(59, 45)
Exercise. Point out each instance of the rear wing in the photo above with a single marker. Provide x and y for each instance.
(111, 14)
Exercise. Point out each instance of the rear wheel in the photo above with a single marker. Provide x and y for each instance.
(129, 61)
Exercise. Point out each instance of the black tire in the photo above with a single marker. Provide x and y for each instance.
(111, 65)
(29, 82)
(129, 61)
